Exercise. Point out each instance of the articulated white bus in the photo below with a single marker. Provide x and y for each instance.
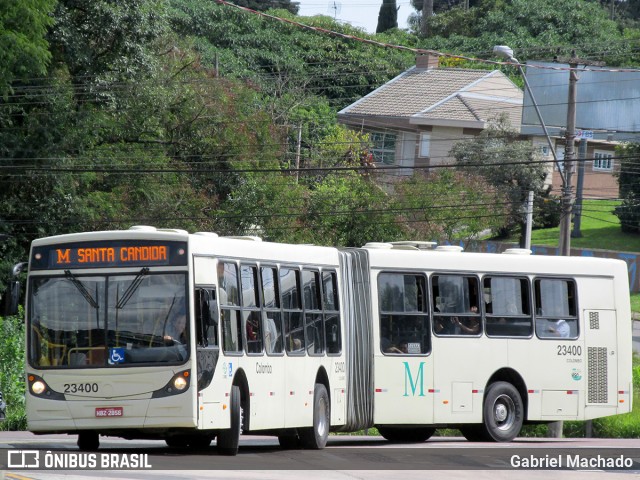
(150, 333)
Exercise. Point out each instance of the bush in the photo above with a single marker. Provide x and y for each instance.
(12, 381)
(547, 211)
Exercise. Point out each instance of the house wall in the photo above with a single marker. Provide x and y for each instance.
(597, 184)
(442, 139)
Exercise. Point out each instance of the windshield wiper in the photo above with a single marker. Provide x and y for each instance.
(126, 296)
(81, 288)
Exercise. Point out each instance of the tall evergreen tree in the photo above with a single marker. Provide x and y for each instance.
(388, 16)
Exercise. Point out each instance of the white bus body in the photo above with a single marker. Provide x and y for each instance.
(295, 341)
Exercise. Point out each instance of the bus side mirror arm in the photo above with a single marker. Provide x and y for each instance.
(11, 295)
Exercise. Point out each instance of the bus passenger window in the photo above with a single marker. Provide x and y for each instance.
(231, 331)
(228, 284)
(507, 307)
(272, 317)
(253, 331)
(314, 331)
(333, 334)
(292, 311)
(456, 305)
(556, 309)
(404, 323)
(294, 328)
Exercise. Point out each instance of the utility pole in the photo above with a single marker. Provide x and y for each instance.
(569, 151)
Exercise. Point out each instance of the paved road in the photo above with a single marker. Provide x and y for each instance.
(345, 458)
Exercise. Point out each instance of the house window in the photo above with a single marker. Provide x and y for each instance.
(425, 144)
(560, 157)
(384, 147)
(603, 161)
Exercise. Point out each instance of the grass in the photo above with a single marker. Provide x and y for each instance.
(599, 227)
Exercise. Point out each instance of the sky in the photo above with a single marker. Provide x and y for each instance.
(359, 13)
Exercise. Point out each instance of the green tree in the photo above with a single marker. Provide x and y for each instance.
(532, 27)
(512, 166)
(388, 16)
(448, 205)
(106, 38)
(12, 384)
(629, 210)
(24, 51)
(264, 5)
(348, 210)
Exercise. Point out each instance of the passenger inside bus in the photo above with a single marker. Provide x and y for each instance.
(175, 331)
(558, 328)
(467, 325)
(445, 325)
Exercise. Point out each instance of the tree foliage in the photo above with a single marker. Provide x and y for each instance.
(512, 166)
(536, 30)
(264, 5)
(449, 205)
(629, 210)
(24, 51)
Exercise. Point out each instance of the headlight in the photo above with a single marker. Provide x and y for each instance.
(38, 387)
(180, 383)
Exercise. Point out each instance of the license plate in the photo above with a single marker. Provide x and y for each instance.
(109, 412)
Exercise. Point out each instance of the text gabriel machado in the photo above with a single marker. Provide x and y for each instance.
(571, 461)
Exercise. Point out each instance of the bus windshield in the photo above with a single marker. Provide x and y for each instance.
(84, 321)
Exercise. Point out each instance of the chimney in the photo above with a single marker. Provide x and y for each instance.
(427, 60)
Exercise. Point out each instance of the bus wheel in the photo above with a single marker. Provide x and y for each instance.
(406, 435)
(88, 441)
(229, 439)
(315, 438)
(503, 412)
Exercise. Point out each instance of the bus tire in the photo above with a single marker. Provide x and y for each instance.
(502, 412)
(88, 441)
(406, 434)
(229, 439)
(315, 438)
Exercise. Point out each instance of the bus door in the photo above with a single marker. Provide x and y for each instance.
(601, 357)
(207, 345)
(403, 364)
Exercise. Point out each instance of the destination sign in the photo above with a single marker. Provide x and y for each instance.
(109, 254)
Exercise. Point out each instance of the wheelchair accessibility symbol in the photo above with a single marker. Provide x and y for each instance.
(116, 355)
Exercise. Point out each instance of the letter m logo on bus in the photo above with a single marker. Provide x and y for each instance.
(408, 380)
(63, 256)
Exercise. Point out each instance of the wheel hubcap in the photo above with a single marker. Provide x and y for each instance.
(322, 418)
(504, 412)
